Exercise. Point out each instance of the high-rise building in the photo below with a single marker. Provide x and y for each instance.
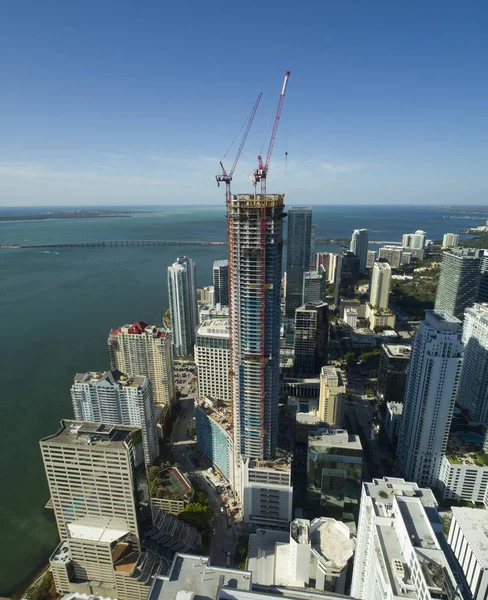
(473, 383)
(399, 552)
(213, 421)
(392, 372)
(379, 292)
(255, 227)
(96, 478)
(334, 467)
(370, 258)
(297, 255)
(359, 247)
(392, 254)
(311, 338)
(347, 276)
(416, 240)
(467, 538)
(313, 231)
(450, 240)
(113, 397)
(312, 285)
(459, 281)
(332, 392)
(142, 349)
(212, 359)
(221, 282)
(483, 287)
(431, 389)
(183, 308)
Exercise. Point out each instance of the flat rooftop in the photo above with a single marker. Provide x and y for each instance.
(474, 524)
(111, 377)
(75, 433)
(395, 408)
(400, 351)
(98, 529)
(383, 490)
(193, 577)
(334, 438)
(464, 449)
(214, 328)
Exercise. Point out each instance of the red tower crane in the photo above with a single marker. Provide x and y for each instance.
(225, 177)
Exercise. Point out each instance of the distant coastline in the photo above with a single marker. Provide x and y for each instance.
(71, 214)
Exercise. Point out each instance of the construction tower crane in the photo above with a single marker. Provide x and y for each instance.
(260, 174)
(225, 177)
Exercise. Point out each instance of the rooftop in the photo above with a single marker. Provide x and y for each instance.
(383, 490)
(334, 438)
(139, 328)
(442, 319)
(401, 351)
(464, 449)
(474, 524)
(395, 408)
(110, 378)
(98, 529)
(214, 328)
(193, 577)
(84, 433)
(221, 263)
(218, 411)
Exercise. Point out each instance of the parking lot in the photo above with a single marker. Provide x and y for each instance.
(186, 379)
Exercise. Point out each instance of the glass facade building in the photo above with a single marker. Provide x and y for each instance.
(297, 255)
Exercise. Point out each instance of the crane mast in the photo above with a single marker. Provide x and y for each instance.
(225, 177)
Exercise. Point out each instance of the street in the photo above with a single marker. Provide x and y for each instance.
(194, 465)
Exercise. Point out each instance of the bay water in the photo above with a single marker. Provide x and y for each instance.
(58, 305)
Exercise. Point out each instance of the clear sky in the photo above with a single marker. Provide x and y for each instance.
(127, 102)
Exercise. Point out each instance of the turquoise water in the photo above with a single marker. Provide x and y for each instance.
(471, 437)
(58, 307)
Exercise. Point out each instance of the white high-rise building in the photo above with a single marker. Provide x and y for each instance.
(379, 293)
(370, 258)
(398, 547)
(333, 258)
(142, 349)
(415, 241)
(473, 384)
(212, 358)
(450, 240)
(467, 538)
(432, 382)
(359, 246)
(183, 308)
(393, 254)
(115, 398)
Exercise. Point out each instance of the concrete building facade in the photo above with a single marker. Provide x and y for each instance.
(182, 292)
(392, 372)
(379, 292)
(332, 396)
(142, 349)
(212, 359)
(467, 538)
(398, 554)
(473, 383)
(431, 389)
(450, 240)
(113, 397)
(459, 281)
(392, 254)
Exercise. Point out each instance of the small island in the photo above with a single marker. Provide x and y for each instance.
(70, 214)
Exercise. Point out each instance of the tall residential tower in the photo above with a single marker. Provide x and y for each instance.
(255, 226)
(182, 292)
(142, 349)
(431, 389)
(359, 246)
(297, 255)
(221, 282)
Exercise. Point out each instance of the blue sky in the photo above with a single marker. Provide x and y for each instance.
(126, 102)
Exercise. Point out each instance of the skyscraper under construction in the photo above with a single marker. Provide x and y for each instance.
(255, 230)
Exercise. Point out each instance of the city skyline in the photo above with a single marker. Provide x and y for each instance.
(112, 113)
